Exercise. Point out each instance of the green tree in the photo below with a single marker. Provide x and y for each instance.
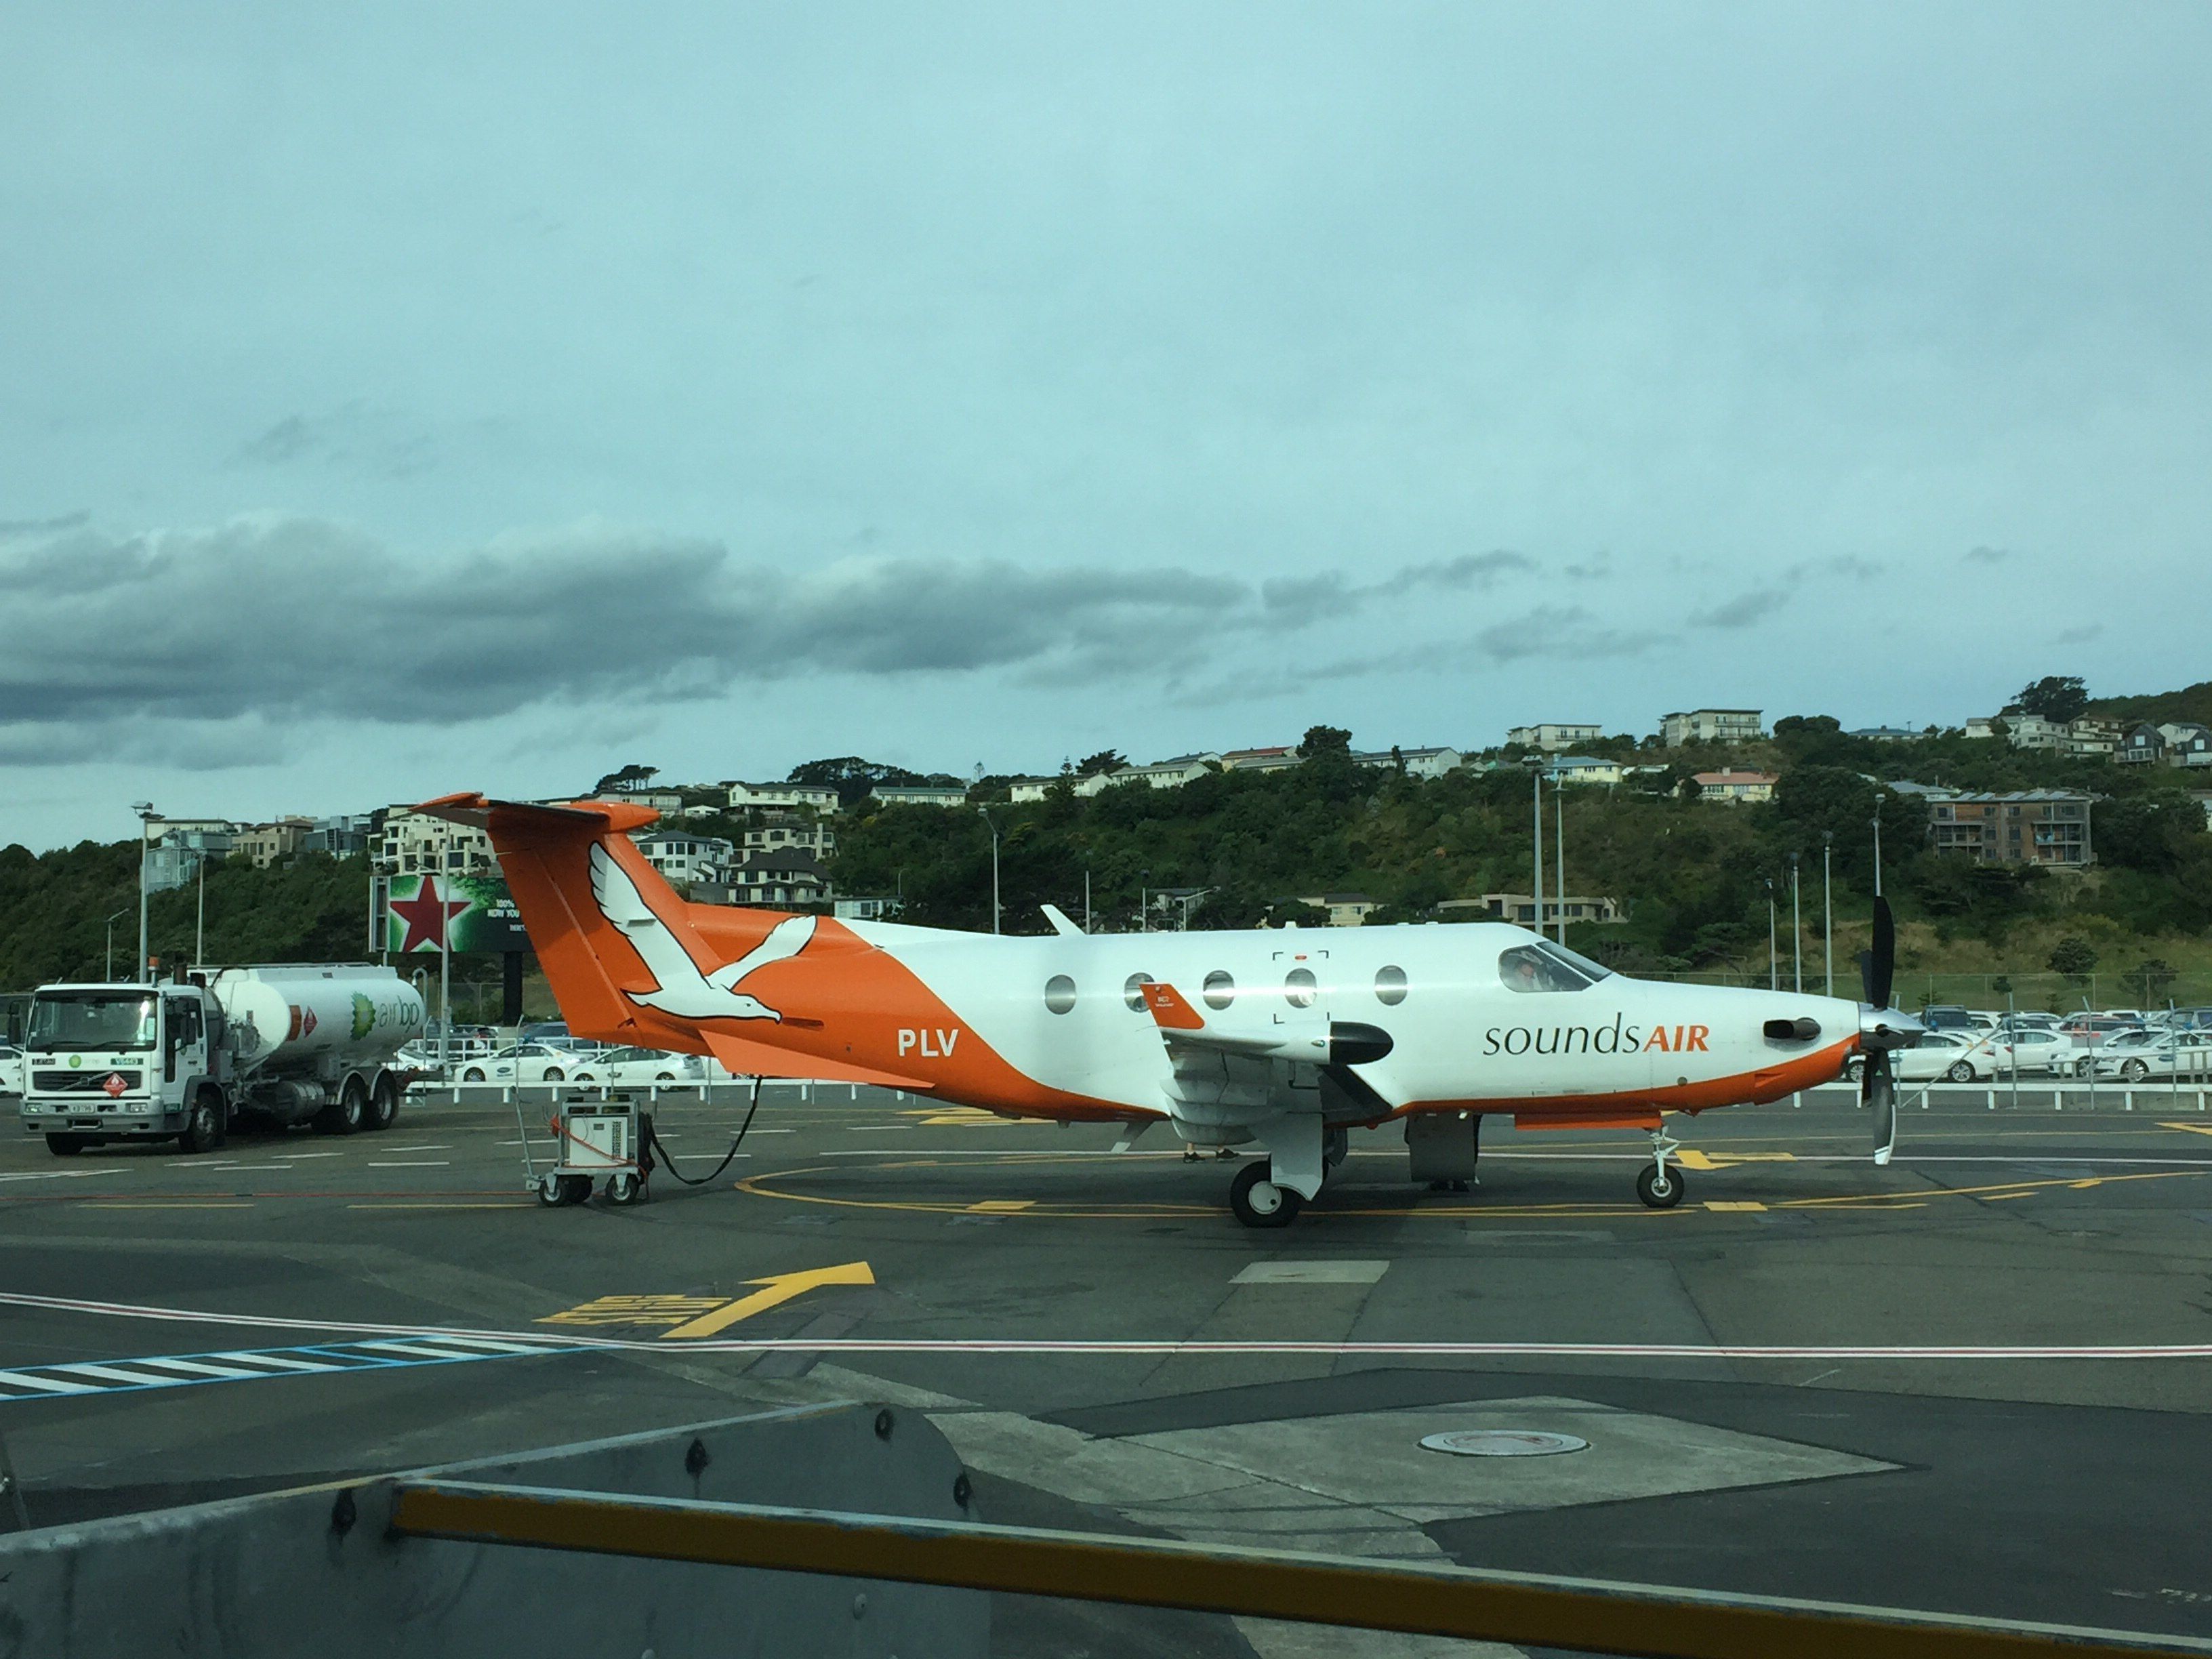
(1325, 740)
(2073, 957)
(2059, 697)
(1106, 760)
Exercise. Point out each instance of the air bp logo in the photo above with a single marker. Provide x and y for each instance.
(364, 1016)
(76, 1060)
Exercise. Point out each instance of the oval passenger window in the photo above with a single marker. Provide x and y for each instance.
(1060, 994)
(1133, 992)
(1390, 985)
(1300, 986)
(1219, 989)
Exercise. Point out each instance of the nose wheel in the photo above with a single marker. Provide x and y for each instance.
(1258, 1201)
(1659, 1187)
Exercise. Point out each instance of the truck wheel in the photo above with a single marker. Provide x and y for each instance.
(65, 1145)
(383, 1106)
(344, 1115)
(204, 1124)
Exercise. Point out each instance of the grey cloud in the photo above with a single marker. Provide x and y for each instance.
(2082, 635)
(1744, 610)
(43, 527)
(1987, 555)
(1567, 632)
(282, 619)
(1332, 593)
(355, 435)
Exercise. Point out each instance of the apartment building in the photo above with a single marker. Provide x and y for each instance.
(684, 861)
(816, 796)
(413, 843)
(776, 879)
(1520, 909)
(918, 794)
(1417, 762)
(1710, 726)
(1553, 737)
(791, 832)
(2047, 827)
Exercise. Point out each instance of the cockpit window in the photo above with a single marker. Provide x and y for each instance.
(1544, 966)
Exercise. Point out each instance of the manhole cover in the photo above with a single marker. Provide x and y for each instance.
(1503, 1443)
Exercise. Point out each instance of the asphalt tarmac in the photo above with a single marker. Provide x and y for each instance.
(1980, 1379)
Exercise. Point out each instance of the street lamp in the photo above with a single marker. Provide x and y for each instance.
(1796, 932)
(994, 867)
(1773, 962)
(108, 975)
(1535, 765)
(1877, 845)
(144, 809)
(1827, 917)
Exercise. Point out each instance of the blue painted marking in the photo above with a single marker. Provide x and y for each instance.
(82, 1378)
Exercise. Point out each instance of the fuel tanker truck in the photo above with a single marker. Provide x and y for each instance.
(274, 1046)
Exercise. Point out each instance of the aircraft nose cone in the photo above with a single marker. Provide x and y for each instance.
(1888, 1028)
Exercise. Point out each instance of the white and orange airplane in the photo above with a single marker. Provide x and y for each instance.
(1284, 1037)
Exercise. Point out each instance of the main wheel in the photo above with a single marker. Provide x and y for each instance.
(1660, 1190)
(343, 1116)
(383, 1106)
(65, 1145)
(1259, 1202)
(203, 1124)
(626, 1189)
(1961, 1071)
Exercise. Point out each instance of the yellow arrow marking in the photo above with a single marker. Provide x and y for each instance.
(2190, 1128)
(780, 1288)
(967, 1118)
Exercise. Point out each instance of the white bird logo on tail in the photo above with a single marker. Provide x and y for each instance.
(679, 988)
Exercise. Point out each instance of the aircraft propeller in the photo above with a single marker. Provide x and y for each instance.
(1882, 1029)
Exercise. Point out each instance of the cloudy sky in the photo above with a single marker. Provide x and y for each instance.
(397, 403)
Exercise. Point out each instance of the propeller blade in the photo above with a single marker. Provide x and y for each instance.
(1878, 967)
(1878, 1089)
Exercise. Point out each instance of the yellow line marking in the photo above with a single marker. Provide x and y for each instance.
(780, 1287)
(2189, 1128)
(636, 1311)
(965, 1117)
(508, 1205)
(1003, 1206)
(1691, 1158)
(1725, 1205)
(203, 1204)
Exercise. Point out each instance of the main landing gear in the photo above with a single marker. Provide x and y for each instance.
(1259, 1202)
(1659, 1187)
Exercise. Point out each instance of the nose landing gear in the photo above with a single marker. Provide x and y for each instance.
(1659, 1187)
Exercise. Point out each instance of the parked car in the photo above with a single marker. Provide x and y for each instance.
(521, 1062)
(2093, 1030)
(541, 1031)
(2174, 1055)
(631, 1066)
(2023, 1051)
(11, 1069)
(1953, 1056)
(1947, 1016)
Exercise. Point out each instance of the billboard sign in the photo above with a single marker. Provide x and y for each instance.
(478, 910)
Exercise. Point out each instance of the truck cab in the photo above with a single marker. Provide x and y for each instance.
(123, 1062)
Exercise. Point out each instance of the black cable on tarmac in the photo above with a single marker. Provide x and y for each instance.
(655, 1152)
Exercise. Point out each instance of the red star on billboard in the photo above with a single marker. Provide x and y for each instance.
(426, 915)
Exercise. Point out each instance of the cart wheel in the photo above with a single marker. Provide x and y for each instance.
(575, 1189)
(552, 1191)
(626, 1188)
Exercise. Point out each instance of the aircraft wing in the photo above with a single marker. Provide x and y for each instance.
(1182, 1027)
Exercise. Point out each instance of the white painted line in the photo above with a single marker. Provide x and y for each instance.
(414, 1352)
(299, 1155)
(1144, 1347)
(116, 1374)
(59, 1174)
(414, 1164)
(282, 1362)
(200, 1369)
(51, 1384)
(416, 1149)
(1312, 1273)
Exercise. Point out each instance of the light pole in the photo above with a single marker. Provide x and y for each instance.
(1796, 932)
(109, 973)
(1877, 845)
(1827, 917)
(994, 867)
(1773, 962)
(1559, 847)
(1536, 778)
(144, 809)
